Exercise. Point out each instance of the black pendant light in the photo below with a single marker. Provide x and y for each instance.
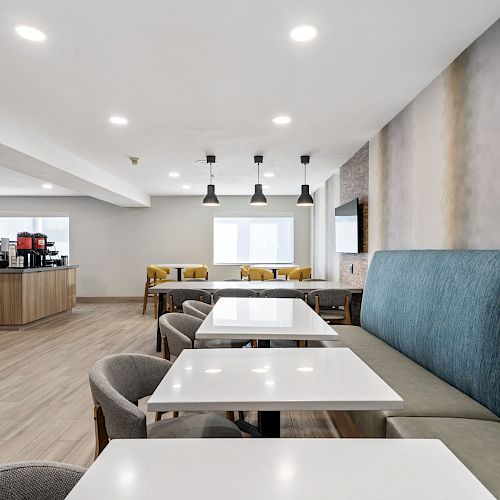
(305, 199)
(211, 199)
(258, 198)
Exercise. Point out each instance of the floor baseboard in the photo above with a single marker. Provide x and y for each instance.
(107, 300)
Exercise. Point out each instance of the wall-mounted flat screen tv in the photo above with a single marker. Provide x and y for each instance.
(347, 227)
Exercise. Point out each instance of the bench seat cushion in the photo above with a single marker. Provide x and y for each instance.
(425, 394)
(475, 442)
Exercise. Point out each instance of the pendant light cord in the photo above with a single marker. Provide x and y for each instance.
(258, 173)
(211, 176)
(305, 173)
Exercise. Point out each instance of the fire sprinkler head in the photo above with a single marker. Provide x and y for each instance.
(134, 160)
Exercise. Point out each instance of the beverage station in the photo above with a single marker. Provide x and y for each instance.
(35, 282)
(31, 250)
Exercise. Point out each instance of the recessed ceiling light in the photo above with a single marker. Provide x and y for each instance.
(47, 186)
(305, 369)
(268, 174)
(282, 120)
(269, 382)
(173, 174)
(266, 186)
(186, 186)
(118, 120)
(30, 33)
(303, 33)
(176, 386)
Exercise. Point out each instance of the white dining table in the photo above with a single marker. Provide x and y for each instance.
(271, 380)
(270, 469)
(179, 267)
(264, 319)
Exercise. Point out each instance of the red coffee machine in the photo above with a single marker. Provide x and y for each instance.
(39, 247)
(25, 247)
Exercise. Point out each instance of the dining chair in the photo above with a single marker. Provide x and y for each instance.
(332, 305)
(260, 274)
(38, 480)
(154, 276)
(200, 273)
(233, 292)
(300, 274)
(178, 332)
(196, 308)
(117, 382)
(282, 293)
(244, 271)
(175, 298)
(285, 271)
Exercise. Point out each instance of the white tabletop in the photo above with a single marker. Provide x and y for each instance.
(272, 379)
(275, 266)
(253, 285)
(265, 469)
(178, 266)
(264, 318)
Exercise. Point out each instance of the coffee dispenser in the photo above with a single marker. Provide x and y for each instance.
(39, 247)
(25, 247)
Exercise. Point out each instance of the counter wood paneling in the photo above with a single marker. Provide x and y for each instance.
(32, 294)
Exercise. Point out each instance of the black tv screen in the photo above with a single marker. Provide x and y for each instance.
(347, 227)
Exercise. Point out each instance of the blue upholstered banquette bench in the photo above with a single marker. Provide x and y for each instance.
(430, 327)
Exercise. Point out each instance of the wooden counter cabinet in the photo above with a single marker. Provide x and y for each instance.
(27, 295)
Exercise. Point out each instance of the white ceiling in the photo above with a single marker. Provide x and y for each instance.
(12, 182)
(198, 77)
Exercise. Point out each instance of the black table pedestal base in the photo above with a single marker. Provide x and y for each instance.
(268, 425)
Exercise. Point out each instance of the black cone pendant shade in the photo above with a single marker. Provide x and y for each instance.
(258, 198)
(211, 199)
(305, 199)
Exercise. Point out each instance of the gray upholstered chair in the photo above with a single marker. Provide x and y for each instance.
(175, 298)
(282, 293)
(38, 480)
(233, 292)
(117, 382)
(332, 305)
(196, 308)
(179, 332)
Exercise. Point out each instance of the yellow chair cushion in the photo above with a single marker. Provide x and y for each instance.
(260, 274)
(286, 271)
(196, 272)
(302, 273)
(244, 271)
(156, 272)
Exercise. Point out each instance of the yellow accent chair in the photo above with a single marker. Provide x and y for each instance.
(260, 274)
(200, 273)
(244, 271)
(302, 273)
(154, 276)
(286, 271)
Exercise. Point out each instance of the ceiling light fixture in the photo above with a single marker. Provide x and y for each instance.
(303, 33)
(174, 175)
(47, 186)
(118, 120)
(30, 33)
(305, 199)
(186, 186)
(282, 120)
(258, 197)
(211, 199)
(268, 174)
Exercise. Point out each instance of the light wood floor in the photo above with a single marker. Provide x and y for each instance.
(45, 402)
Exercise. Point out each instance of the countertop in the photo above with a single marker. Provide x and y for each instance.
(22, 270)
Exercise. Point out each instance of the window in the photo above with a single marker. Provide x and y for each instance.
(253, 240)
(55, 227)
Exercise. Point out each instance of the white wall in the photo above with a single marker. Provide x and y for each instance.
(113, 245)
